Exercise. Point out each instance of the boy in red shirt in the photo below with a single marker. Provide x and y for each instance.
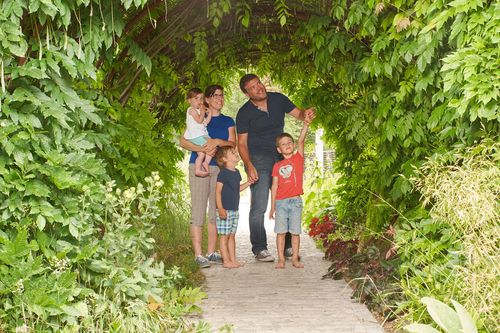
(286, 190)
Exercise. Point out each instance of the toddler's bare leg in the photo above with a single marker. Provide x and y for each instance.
(280, 247)
(206, 162)
(198, 171)
(295, 249)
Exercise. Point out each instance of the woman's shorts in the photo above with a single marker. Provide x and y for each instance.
(202, 191)
(200, 140)
(288, 216)
(229, 225)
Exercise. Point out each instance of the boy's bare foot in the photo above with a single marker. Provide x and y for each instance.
(280, 264)
(200, 173)
(297, 264)
(240, 264)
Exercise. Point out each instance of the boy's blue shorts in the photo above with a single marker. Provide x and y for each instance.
(288, 216)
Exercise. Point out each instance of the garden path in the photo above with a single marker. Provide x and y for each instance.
(260, 298)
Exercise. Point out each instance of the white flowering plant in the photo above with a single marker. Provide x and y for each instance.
(102, 272)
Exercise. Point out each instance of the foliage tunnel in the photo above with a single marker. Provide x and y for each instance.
(92, 91)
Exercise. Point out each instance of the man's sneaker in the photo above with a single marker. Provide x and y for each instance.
(289, 253)
(215, 258)
(264, 255)
(202, 261)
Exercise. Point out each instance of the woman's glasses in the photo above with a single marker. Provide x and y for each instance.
(217, 95)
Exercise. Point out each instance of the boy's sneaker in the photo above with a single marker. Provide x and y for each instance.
(264, 255)
(202, 261)
(215, 258)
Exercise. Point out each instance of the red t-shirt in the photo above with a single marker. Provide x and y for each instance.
(290, 172)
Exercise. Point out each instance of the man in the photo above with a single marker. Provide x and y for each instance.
(258, 122)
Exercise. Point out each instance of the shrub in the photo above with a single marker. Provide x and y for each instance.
(101, 276)
(461, 188)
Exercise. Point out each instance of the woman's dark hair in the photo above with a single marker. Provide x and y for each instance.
(193, 92)
(210, 90)
(245, 79)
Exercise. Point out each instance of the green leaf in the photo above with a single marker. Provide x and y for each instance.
(40, 222)
(37, 188)
(77, 310)
(283, 20)
(18, 247)
(73, 230)
(245, 21)
(20, 49)
(63, 179)
(127, 3)
(49, 8)
(98, 266)
(420, 328)
(139, 56)
(468, 325)
(442, 314)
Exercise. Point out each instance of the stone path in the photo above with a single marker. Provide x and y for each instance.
(260, 298)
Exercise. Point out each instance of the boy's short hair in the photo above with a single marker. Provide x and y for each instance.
(281, 136)
(220, 154)
(245, 79)
(193, 92)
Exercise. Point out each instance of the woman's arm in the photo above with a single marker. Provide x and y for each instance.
(213, 143)
(188, 145)
(211, 146)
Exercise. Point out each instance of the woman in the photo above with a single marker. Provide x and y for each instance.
(221, 130)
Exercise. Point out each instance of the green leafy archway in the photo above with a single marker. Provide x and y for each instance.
(93, 90)
(394, 83)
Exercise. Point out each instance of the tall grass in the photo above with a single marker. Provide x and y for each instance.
(465, 195)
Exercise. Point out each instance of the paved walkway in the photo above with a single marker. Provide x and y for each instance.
(260, 298)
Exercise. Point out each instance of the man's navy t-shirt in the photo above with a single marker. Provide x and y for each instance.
(231, 188)
(263, 127)
(218, 128)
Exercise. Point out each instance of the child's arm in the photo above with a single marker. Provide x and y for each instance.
(274, 189)
(208, 117)
(218, 201)
(245, 185)
(302, 138)
(197, 117)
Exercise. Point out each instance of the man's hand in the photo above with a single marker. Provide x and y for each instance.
(252, 174)
(222, 213)
(271, 213)
(309, 115)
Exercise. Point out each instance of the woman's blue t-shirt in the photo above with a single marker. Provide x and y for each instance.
(218, 128)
